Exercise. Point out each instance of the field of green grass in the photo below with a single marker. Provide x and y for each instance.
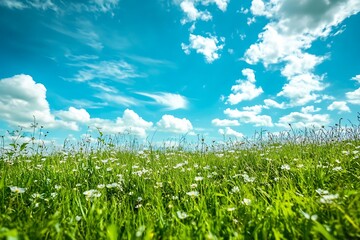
(274, 190)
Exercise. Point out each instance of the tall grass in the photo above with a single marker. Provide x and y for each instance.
(290, 185)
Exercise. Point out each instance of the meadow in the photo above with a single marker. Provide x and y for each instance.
(293, 185)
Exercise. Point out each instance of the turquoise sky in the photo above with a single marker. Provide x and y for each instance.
(212, 68)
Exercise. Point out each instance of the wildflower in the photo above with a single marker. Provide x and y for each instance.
(78, 218)
(174, 197)
(198, 179)
(159, 185)
(113, 185)
(92, 194)
(231, 209)
(37, 195)
(57, 187)
(140, 231)
(337, 168)
(235, 189)
(307, 216)
(285, 167)
(246, 201)
(100, 186)
(248, 179)
(194, 185)
(18, 190)
(321, 191)
(54, 194)
(300, 165)
(181, 215)
(328, 199)
(193, 193)
(138, 206)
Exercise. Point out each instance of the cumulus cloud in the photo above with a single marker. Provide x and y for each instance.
(300, 89)
(250, 115)
(170, 101)
(304, 120)
(130, 122)
(224, 122)
(22, 98)
(340, 106)
(244, 89)
(74, 114)
(356, 78)
(190, 9)
(294, 25)
(230, 132)
(354, 97)
(269, 103)
(169, 123)
(192, 13)
(208, 46)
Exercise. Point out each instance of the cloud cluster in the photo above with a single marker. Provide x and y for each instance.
(293, 27)
(22, 93)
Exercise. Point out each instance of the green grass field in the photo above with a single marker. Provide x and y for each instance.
(268, 191)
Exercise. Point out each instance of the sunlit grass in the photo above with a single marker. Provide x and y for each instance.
(287, 190)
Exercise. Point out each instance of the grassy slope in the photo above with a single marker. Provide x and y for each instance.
(268, 193)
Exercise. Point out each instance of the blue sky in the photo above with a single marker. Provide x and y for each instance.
(213, 68)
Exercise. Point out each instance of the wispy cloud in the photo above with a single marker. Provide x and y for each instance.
(170, 101)
(117, 99)
(109, 70)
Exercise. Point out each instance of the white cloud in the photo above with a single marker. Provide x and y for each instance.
(208, 46)
(22, 98)
(224, 122)
(13, 4)
(117, 99)
(74, 114)
(340, 106)
(192, 13)
(189, 7)
(170, 101)
(244, 89)
(169, 123)
(300, 63)
(294, 25)
(258, 8)
(269, 103)
(103, 87)
(310, 109)
(356, 78)
(300, 89)
(108, 70)
(354, 97)
(230, 132)
(250, 115)
(130, 122)
(302, 120)
(37, 4)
